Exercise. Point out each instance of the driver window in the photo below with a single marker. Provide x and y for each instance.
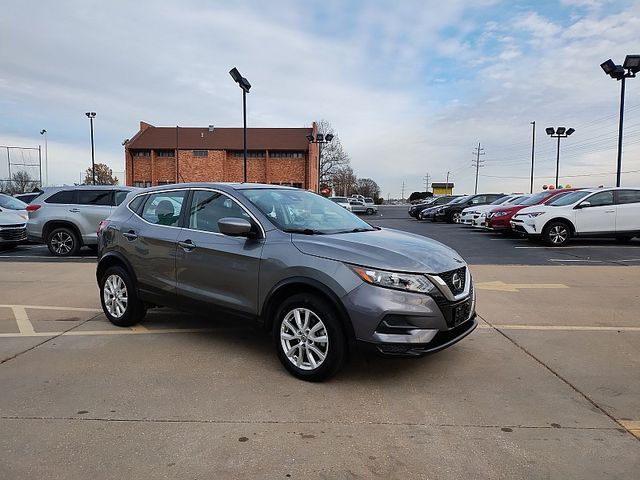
(208, 207)
(601, 199)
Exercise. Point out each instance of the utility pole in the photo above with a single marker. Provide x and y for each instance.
(446, 187)
(477, 163)
(533, 151)
(427, 177)
(402, 192)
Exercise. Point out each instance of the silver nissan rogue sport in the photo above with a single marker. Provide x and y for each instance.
(315, 275)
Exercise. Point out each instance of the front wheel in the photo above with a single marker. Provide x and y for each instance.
(556, 234)
(369, 211)
(63, 242)
(309, 338)
(119, 298)
(454, 217)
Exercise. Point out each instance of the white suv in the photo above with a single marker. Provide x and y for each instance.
(606, 212)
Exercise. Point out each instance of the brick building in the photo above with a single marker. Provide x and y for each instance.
(281, 156)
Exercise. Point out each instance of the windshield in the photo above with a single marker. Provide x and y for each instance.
(458, 200)
(500, 201)
(568, 198)
(535, 199)
(519, 200)
(299, 211)
(11, 203)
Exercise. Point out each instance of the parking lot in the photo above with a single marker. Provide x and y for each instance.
(546, 387)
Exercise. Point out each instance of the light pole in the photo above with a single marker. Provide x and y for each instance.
(632, 66)
(560, 132)
(533, 150)
(244, 84)
(46, 157)
(319, 139)
(91, 116)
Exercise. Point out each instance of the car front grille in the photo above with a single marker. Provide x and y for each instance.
(458, 312)
(13, 232)
(448, 277)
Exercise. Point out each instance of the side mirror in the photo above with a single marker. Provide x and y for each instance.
(584, 204)
(236, 227)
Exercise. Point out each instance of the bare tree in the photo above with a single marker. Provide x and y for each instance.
(344, 181)
(104, 176)
(22, 182)
(333, 155)
(368, 188)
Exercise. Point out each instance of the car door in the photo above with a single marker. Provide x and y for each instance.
(92, 206)
(149, 240)
(214, 269)
(596, 214)
(628, 210)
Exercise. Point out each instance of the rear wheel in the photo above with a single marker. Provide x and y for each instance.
(63, 242)
(556, 234)
(454, 217)
(369, 211)
(309, 338)
(119, 298)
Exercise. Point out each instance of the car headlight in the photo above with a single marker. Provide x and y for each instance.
(398, 281)
(532, 214)
(499, 214)
(440, 210)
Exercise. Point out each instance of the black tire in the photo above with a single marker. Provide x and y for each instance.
(369, 211)
(63, 242)
(134, 311)
(556, 233)
(451, 218)
(336, 347)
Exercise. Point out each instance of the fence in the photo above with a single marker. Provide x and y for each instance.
(21, 168)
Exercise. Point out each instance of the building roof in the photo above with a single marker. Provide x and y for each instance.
(188, 138)
(442, 185)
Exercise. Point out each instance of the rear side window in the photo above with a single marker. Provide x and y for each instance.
(137, 202)
(94, 197)
(66, 196)
(164, 208)
(119, 196)
(628, 196)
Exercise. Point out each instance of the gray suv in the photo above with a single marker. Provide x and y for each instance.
(316, 276)
(66, 218)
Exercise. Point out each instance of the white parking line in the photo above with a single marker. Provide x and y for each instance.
(40, 257)
(575, 260)
(581, 328)
(49, 307)
(22, 319)
(585, 246)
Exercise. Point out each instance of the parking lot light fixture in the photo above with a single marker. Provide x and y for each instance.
(319, 140)
(560, 132)
(628, 69)
(244, 84)
(91, 116)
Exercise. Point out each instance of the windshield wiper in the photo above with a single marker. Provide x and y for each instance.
(304, 231)
(357, 230)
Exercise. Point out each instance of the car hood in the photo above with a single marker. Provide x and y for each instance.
(11, 217)
(479, 208)
(535, 208)
(384, 249)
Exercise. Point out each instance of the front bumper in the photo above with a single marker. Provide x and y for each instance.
(409, 324)
(527, 227)
(499, 223)
(12, 234)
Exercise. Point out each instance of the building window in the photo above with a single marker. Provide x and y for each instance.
(142, 153)
(289, 184)
(164, 182)
(286, 154)
(142, 184)
(201, 153)
(250, 153)
(165, 153)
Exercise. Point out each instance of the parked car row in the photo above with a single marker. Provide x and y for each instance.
(553, 216)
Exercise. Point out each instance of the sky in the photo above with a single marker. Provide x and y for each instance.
(410, 87)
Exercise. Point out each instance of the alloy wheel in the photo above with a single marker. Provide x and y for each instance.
(62, 243)
(304, 339)
(115, 296)
(456, 217)
(558, 234)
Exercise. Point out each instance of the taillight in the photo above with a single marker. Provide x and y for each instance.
(33, 207)
(103, 225)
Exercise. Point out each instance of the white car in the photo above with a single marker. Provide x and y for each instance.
(13, 221)
(342, 201)
(472, 214)
(602, 212)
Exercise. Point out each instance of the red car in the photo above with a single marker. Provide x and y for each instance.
(498, 218)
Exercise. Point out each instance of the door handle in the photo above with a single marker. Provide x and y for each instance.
(74, 210)
(130, 235)
(187, 245)
(610, 211)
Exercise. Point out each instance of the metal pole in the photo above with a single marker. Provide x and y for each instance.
(477, 168)
(46, 159)
(557, 163)
(40, 163)
(319, 163)
(177, 166)
(446, 187)
(93, 156)
(533, 149)
(9, 163)
(244, 114)
(619, 171)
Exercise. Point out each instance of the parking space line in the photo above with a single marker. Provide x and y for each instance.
(632, 426)
(569, 247)
(22, 319)
(582, 328)
(516, 287)
(576, 260)
(128, 331)
(50, 307)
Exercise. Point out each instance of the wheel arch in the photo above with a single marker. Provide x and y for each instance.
(53, 224)
(114, 259)
(295, 285)
(566, 221)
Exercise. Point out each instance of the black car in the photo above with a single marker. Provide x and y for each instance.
(438, 201)
(450, 213)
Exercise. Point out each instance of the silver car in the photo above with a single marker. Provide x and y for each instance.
(316, 276)
(66, 218)
(13, 221)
